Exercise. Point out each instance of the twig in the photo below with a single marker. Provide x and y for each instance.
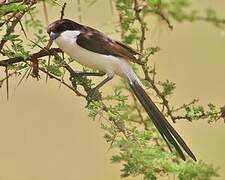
(8, 20)
(10, 2)
(10, 74)
(165, 102)
(48, 64)
(143, 26)
(39, 54)
(63, 82)
(7, 82)
(170, 26)
(144, 67)
(11, 28)
(45, 12)
(35, 68)
(29, 72)
(23, 30)
(62, 11)
(22, 78)
(185, 105)
(203, 116)
(18, 17)
(153, 73)
(64, 72)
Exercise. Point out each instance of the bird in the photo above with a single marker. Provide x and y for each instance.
(95, 50)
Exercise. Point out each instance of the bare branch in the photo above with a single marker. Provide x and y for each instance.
(43, 52)
(62, 11)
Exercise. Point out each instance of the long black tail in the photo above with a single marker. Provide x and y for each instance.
(165, 129)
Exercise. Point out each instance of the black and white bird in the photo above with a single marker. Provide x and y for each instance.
(95, 50)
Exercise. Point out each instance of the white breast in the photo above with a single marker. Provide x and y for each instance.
(106, 63)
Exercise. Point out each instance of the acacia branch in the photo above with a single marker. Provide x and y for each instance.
(145, 69)
(18, 16)
(42, 53)
(144, 66)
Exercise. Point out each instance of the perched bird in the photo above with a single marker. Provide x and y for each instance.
(95, 50)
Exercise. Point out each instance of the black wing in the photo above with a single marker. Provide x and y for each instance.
(97, 42)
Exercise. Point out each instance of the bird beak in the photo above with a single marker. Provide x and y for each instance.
(53, 35)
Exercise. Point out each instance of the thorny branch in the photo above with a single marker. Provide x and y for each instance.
(10, 2)
(17, 19)
(145, 68)
(42, 53)
(54, 52)
(46, 52)
(117, 124)
(18, 16)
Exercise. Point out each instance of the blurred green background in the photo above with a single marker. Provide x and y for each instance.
(46, 134)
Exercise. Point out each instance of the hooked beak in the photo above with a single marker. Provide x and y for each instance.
(53, 35)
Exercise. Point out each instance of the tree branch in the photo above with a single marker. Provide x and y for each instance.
(42, 53)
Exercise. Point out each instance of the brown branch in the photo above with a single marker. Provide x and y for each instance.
(62, 11)
(203, 116)
(185, 105)
(43, 52)
(164, 18)
(10, 2)
(62, 81)
(47, 51)
(87, 89)
(143, 26)
(10, 30)
(8, 20)
(165, 102)
(23, 30)
(144, 67)
(35, 68)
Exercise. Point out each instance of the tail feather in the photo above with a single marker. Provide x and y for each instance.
(165, 129)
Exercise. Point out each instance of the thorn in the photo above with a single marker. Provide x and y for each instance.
(7, 82)
(28, 74)
(49, 58)
(22, 78)
(45, 12)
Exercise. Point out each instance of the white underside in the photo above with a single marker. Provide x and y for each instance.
(109, 64)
